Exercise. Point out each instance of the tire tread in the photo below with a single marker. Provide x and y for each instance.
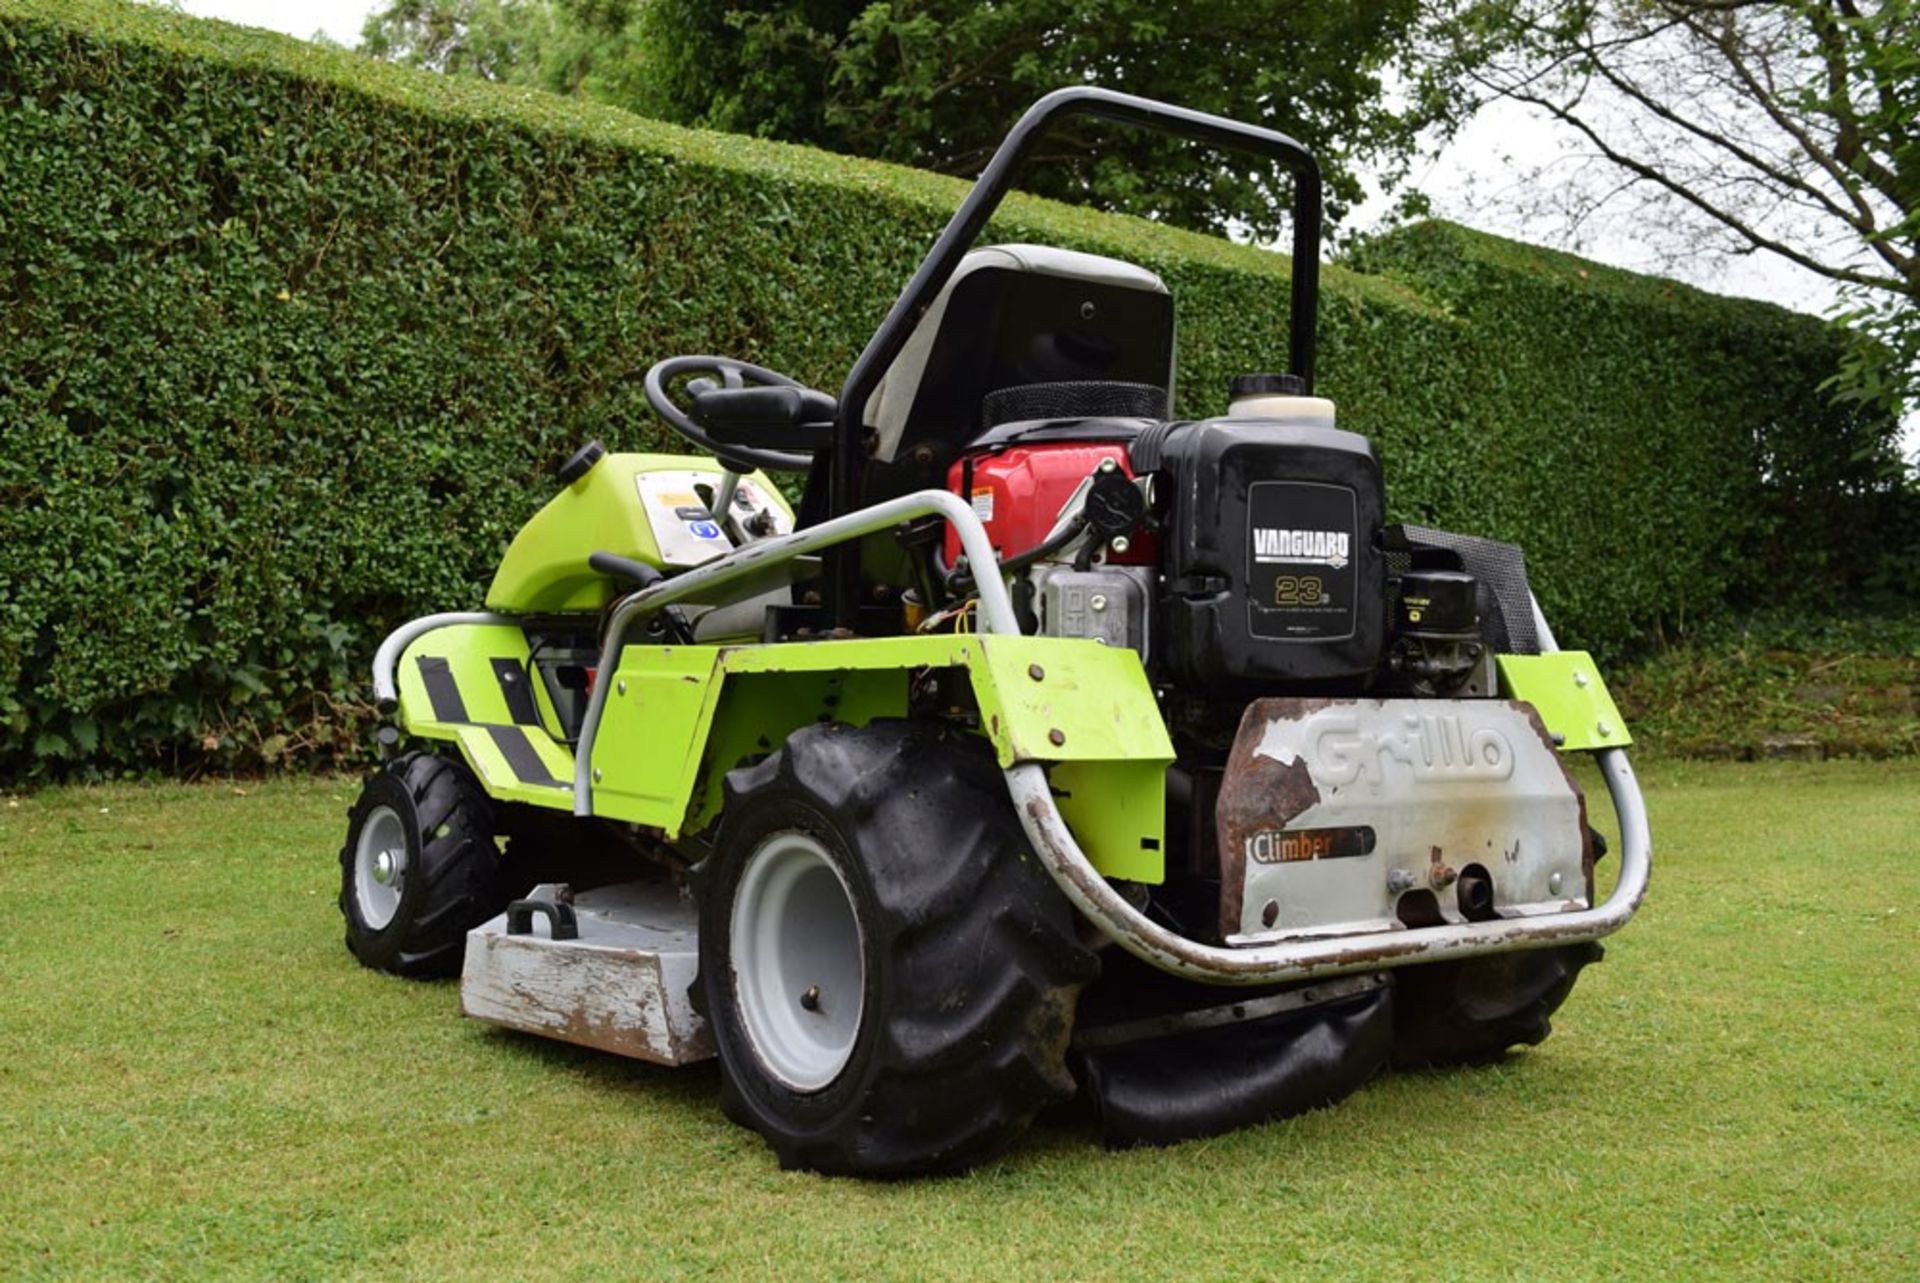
(459, 874)
(970, 1050)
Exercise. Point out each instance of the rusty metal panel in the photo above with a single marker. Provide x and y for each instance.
(1333, 812)
(620, 987)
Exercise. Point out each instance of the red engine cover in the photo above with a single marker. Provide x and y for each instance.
(1018, 494)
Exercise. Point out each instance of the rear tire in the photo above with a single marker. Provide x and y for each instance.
(1471, 1011)
(889, 975)
(420, 867)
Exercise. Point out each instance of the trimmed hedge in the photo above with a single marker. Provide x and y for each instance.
(1671, 448)
(291, 340)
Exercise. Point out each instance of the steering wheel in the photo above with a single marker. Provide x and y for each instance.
(733, 374)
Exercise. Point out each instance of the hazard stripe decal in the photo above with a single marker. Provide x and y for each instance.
(515, 689)
(521, 757)
(475, 685)
(442, 692)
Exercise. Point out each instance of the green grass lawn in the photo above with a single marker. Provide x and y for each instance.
(195, 1080)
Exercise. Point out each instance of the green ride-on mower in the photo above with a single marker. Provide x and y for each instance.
(1052, 747)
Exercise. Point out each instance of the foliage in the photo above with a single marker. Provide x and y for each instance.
(1781, 684)
(566, 46)
(1785, 127)
(293, 338)
(935, 83)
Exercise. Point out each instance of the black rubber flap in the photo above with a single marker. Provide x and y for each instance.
(1187, 1086)
(1471, 1010)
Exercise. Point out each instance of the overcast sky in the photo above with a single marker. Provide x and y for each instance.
(1502, 141)
(339, 19)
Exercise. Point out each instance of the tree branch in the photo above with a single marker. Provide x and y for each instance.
(1767, 98)
(1726, 219)
(1894, 111)
(1745, 156)
(1848, 148)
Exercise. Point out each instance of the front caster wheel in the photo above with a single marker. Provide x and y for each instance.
(889, 975)
(420, 867)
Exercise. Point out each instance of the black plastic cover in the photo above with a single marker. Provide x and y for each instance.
(580, 462)
(791, 418)
(1274, 571)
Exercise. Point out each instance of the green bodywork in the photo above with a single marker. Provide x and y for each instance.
(1565, 688)
(678, 718)
(545, 570)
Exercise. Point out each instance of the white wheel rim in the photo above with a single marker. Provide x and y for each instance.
(380, 866)
(799, 961)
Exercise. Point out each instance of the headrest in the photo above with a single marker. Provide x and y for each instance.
(1076, 338)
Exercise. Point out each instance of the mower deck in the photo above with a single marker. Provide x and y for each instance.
(620, 985)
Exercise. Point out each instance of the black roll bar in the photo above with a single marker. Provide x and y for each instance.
(965, 226)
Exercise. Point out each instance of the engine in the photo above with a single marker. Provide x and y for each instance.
(1237, 554)
(1241, 556)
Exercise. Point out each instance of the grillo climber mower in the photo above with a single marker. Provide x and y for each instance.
(1051, 747)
